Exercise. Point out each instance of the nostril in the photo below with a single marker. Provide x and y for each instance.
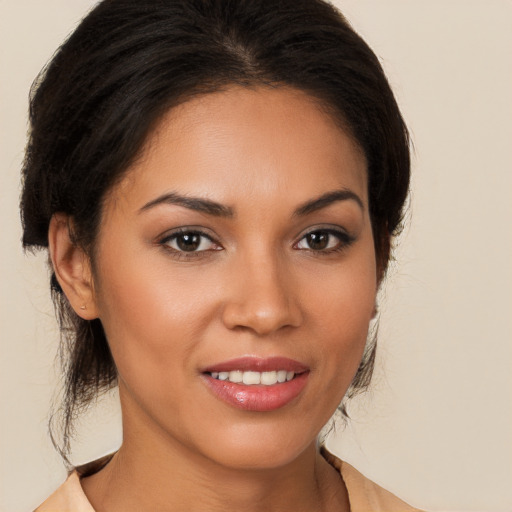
(260, 320)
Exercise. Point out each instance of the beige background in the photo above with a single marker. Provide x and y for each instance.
(437, 427)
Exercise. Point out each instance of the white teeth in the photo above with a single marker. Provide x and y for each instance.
(269, 378)
(251, 378)
(281, 376)
(236, 376)
(254, 378)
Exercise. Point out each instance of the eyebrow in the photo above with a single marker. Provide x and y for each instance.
(192, 203)
(327, 199)
(219, 210)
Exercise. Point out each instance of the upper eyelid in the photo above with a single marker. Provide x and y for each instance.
(185, 230)
(326, 227)
(344, 237)
(164, 242)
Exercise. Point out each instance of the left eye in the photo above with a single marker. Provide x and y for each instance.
(189, 241)
(322, 240)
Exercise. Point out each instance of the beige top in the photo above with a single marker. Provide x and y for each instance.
(364, 495)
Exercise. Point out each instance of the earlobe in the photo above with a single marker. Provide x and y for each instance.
(72, 267)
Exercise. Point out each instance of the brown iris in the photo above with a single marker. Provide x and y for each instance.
(318, 240)
(188, 241)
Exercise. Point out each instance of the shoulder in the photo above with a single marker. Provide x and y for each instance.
(69, 496)
(365, 495)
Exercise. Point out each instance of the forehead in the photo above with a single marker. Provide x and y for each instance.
(246, 145)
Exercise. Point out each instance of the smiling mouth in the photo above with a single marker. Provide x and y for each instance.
(252, 378)
(257, 384)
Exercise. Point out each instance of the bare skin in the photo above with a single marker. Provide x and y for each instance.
(276, 490)
(284, 266)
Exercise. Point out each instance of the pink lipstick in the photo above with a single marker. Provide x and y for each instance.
(257, 384)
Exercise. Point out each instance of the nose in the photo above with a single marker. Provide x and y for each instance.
(263, 297)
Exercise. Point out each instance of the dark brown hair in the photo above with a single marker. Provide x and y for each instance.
(128, 62)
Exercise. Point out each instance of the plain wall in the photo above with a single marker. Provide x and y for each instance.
(436, 428)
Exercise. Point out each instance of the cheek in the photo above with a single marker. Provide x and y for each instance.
(151, 318)
(344, 298)
(339, 310)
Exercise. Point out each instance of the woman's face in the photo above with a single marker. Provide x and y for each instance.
(237, 248)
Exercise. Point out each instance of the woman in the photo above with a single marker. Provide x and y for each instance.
(218, 184)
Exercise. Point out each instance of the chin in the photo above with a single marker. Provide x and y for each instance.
(253, 448)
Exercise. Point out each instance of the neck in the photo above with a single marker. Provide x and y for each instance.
(153, 472)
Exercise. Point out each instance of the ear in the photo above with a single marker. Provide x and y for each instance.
(72, 267)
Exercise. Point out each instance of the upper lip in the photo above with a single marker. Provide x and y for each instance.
(257, 364)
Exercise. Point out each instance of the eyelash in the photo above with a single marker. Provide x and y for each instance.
(344, 241)
(180, 254)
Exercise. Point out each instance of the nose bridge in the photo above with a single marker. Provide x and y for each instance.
(263, 299)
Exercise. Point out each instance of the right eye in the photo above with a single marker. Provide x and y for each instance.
(189, 242)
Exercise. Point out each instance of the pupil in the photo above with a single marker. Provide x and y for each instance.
(188, 242)
(318, 240)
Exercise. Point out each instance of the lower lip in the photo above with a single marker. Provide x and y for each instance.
(258, 398)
